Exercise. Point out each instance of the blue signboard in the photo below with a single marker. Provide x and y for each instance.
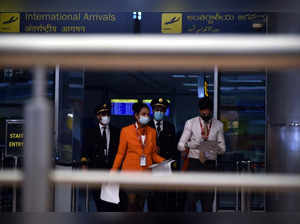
(123, 107)
(66, 22)
(193, 22)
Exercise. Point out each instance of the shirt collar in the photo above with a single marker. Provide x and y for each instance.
(102, 126)
(156, 122)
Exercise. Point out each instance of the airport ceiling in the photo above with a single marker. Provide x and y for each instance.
(143, 83)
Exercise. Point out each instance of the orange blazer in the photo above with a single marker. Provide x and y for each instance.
(130, 149)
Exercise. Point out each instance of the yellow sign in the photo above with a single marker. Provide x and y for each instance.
(171, 22)
(10, 22)
(205, 88)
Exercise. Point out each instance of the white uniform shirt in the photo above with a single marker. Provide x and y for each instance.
(192, 136)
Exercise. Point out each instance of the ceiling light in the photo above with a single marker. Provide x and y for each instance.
(242, 81)
(193, 76)
(178, 76)
(190, 84)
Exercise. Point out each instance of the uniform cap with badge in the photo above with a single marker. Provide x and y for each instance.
(160, 102)
(106, 107)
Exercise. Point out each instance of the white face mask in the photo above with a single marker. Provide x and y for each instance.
(144, 120)
(105, 120)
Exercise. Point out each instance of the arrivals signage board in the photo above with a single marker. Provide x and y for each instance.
(66, 22)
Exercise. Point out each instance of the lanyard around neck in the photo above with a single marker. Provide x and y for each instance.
(203, 131)
(140, 137)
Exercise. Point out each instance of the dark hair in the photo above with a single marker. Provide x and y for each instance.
(205, 103)
(137, 107)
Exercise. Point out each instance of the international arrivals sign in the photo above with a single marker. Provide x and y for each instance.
(206, 22)
(65, 22)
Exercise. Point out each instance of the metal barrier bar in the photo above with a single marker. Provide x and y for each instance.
(177, 180)
(8, 177)
(37, 151)
(180, 180)
(152, 52)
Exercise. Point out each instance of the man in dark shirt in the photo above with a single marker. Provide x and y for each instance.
(102, 147)
(167, 148)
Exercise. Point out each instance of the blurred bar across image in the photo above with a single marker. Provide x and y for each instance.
(94, 96)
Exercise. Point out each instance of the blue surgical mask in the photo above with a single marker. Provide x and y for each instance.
(158, 115)
(105, 120)
(144, 120)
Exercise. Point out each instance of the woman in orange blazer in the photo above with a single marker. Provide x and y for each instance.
(137, 151)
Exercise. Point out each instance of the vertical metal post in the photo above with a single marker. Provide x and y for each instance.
(87, 207)
(73, 191)
(37, 150)
(237, 190)
(242, 199)
(243, 189)
(216, 93)
(56, 106)
(248, 190)
(73, 198)
(14, 199)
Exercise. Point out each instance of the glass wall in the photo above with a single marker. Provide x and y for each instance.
(15, 90)
(242, 110)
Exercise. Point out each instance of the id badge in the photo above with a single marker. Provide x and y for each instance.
(143, 160)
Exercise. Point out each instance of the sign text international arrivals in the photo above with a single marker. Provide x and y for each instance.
(60, 22)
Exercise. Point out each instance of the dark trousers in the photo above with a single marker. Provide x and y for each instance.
(206, 197)
(162, 202)
(136, 201)
(103, 206)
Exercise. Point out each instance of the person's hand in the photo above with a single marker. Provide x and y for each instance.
(194, 144)
(112, 171)
(184, 154)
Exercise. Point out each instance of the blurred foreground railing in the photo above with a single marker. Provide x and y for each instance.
(133, 52)
(177, 180)
(151, 52)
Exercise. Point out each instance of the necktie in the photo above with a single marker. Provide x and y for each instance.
(104, 141)
(158, 127)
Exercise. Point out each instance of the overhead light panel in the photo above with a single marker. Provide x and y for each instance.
(190, 84)
(193, 76)
(178, 76)
(224, 79)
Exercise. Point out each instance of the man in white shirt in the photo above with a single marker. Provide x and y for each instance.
(202, 139)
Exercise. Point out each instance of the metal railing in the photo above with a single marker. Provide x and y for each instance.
(120, 52)
(152, 52)
(178, 180)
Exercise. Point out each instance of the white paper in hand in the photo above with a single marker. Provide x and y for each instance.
(110, 193)
(162, 168)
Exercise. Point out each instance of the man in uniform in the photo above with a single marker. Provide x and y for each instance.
(167, 148)
(102, 146)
